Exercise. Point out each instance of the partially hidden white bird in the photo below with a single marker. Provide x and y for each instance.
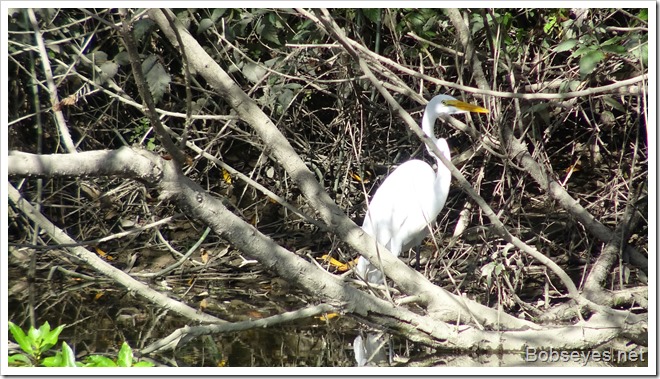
(411, 197)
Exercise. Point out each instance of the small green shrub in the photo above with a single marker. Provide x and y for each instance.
(38, 341)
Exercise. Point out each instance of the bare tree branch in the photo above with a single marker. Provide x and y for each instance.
(186, 333)
(322, 285)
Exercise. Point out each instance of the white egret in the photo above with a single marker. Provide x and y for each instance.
(411, 197)
(373, 350)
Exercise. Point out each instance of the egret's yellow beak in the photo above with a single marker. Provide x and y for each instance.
(465, 106)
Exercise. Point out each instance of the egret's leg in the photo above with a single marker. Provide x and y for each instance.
(369, 272)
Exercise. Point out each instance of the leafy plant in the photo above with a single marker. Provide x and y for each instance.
(140, 130)
(62, 358)
(34, 344)
(124, 359)
(38, 341)
(492, 269)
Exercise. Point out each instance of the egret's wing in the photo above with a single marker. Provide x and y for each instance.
(396, 214)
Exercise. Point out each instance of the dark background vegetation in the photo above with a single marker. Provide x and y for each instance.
(596, 145)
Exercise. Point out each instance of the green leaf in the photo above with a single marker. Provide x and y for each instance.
(552, 21)
(615, 49)
(63, 358)
(204, 25)
(568, 86)
(431, 23)
(54, 361)
(506, 19)
(275, 20)
(269, 33)
(583, 50)
(487, 270)
(285, 96)
(19, 360)
(68, 357)
(217, 13)
(373, 14)
(122, 58)
(142, 27)
(614, 45)
(99, 361)
(34, 335)
(644, 14)
(614, 103)
(589, 61)
(125, 356)
(253, 72)
(50, 338)
(44, 329)
(416, 19)
(612, 41)
(565, 46)
(156, 76)
(143, 364)
(642, 53)
(21, 339)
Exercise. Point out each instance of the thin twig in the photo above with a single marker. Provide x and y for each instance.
(181, 336)
(131, 48)
(62, 126)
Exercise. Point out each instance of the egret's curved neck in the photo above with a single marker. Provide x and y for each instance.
(428, 126)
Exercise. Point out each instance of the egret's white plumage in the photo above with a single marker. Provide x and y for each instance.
(411, 197)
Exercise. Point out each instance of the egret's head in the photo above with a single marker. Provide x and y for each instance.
(447, 105)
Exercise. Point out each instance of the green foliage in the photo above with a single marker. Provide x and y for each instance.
(422, 22)
(553, 21)
(490, 270)
(142, 28)
(140, 130)
(124, 359)
(156, 76)
(372, 14)
(38, 341)
(34, 343)
(62, 358)
(591, 51)
(589, 59)
(585, 36)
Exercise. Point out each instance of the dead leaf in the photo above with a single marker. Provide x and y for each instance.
(328, 316)
(203, 305)
(103, 254)
(226, 176)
